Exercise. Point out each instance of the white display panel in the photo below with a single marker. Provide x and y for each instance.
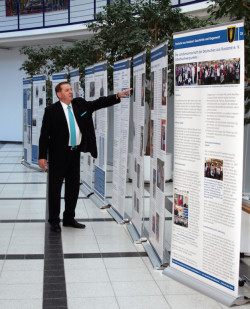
(158, 143)
(56, 79)
(121, 133)
(38, 106)
(208, 154)
(27, 119)
(139, 78)
(101, 130)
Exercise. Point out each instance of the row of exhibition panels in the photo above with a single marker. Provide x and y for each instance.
(177, 220)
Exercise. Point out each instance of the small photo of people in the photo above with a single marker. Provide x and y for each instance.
(186, 74)
(163, 134)
(181, 209)
(142, 89)
(151, 138)
(164, 86)
(213, 168)
(102, 88)
(137, 205)
(152, 80)
(160, 174)
(135, 164)
(226, 71)
(138, 175)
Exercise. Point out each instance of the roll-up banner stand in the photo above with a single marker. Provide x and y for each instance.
(121, 134)
(139, 80)
(160, 160)
(56, 79)
(87, 160)
(208, 158)
(101, 129)
(27, 116)
(38, 106)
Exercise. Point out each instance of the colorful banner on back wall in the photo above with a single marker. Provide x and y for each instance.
(158, 149)
(209, 121)
(121, 133)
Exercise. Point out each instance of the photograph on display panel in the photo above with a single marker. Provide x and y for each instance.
(164, 86)
(181, 209)
(225, 71)
(154, 183)
(186, 74)
(213, 168)
(160, 174)
(163, 134)
(92, 89)
(152, 90)
(142, 89)
(151, 138)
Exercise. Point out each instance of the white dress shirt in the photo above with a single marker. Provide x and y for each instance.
(78, 132)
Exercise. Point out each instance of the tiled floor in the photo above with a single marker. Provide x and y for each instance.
(99, 267)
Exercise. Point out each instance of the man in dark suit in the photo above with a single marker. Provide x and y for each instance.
(64, 143)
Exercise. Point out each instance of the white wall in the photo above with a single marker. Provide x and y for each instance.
(11, 104)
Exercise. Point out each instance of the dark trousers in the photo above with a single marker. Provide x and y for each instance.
(70, 172)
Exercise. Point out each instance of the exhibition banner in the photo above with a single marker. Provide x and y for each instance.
(139, 78)
(208, 154)
(87, 160)
(158, 150)
(56, 79)
(38, 106)
(121, 134)
(27, 99)
(101, 130)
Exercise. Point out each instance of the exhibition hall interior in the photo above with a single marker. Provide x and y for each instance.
(162, 218)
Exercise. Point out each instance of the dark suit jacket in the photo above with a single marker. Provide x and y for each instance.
(54, 135)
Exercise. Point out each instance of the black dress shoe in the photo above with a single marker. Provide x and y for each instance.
(74, 224)
(55, 227)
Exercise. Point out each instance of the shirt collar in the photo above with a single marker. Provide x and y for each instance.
(65, 106)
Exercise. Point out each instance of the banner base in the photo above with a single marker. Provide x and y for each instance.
(152, 256)
(205, 289)
(32, 166)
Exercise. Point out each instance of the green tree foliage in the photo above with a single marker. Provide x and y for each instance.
(236, 10)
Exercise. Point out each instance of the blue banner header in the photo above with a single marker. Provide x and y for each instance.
(59, 76)
(122, 65)
(100, 68)
(38, 78)
(159, 53)
(89, 71)
(27, 81)
(139, 60)
(214, 37)
(74, 73)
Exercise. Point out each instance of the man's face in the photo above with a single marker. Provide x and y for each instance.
(66, 94)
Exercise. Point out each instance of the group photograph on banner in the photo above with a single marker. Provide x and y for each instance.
(27, 114)
(208, 156)
(38, 106)
(121, 137)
